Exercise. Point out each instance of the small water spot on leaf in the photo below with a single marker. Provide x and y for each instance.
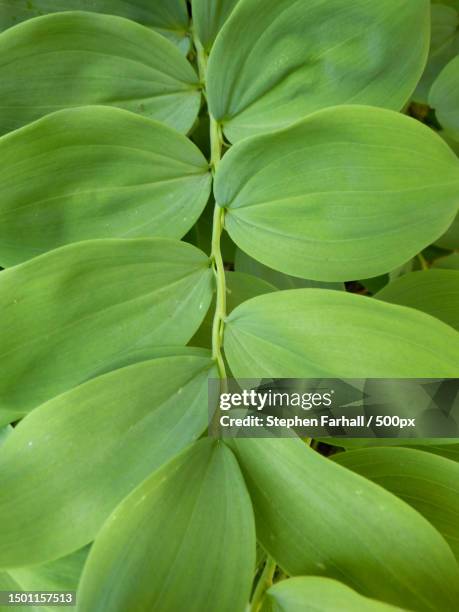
(320, 565)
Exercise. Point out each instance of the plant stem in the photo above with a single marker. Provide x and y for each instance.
(423, 262)
(263, 584)
(217, 260)
(216, 143)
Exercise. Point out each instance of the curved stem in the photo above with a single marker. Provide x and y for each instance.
(423, 262)
(263, 584)
(216, 255)
(216, 143)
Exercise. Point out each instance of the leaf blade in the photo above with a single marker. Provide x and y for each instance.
(334, 197)
(96, 172)
(88, 58)
(57, 467)
(209, 563)
(62, 311)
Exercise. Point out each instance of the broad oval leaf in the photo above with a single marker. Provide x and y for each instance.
(318, 333)
(60, 575)
(7, 583)
(349, 192)
(448, 451)
(433, 445)
(246, 264)
(5, 431)
(184, 540)
(168, 17)
(435, 292)
(311, 593)
(96, 172)
(444, 45)
(70, 462)
(70, 312)
(209, 17)
(450, 239)
(444, 97)
(426, 481)
(77, 58)
(316, 518)
(273, 64)
(451, 262)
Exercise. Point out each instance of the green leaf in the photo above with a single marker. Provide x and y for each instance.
(453, 3)
(350, 192)
(4, 433)
(76, 58)
(239, 288)
(168, 17)
(450, 239)
(209, 17)
(318, 333)
(248, 265)
(96, 172)
(311, 593)
(69, 313)
(275, 62)
(448, 263)
(435, 292)
(7, 583)
(449, 451)
(72, 460)
(375, 284)
(184, 540)
(444, 45)
(427, 444)
(444, 97)
(316, 518)
(60, 575)
(429, 483)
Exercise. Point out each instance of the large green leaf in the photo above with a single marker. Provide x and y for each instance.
(316, 518)
(442, 445)
(70, 312)
(184, 540)
(209, 17)
(426, 481)
(275, 62)
(96, 172)
(450, 239)
(7, 583)
(305, 594)
(444, 97)
(5, 431)
(349, 192)
(123, 359)
(168, 17)
(451, 262)
(449, 451)
(72, 460)
(76, 58)
(453, 3)
(435, 292)
(332, 334)
(444, 45)
(246, 264)
(60, 575)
